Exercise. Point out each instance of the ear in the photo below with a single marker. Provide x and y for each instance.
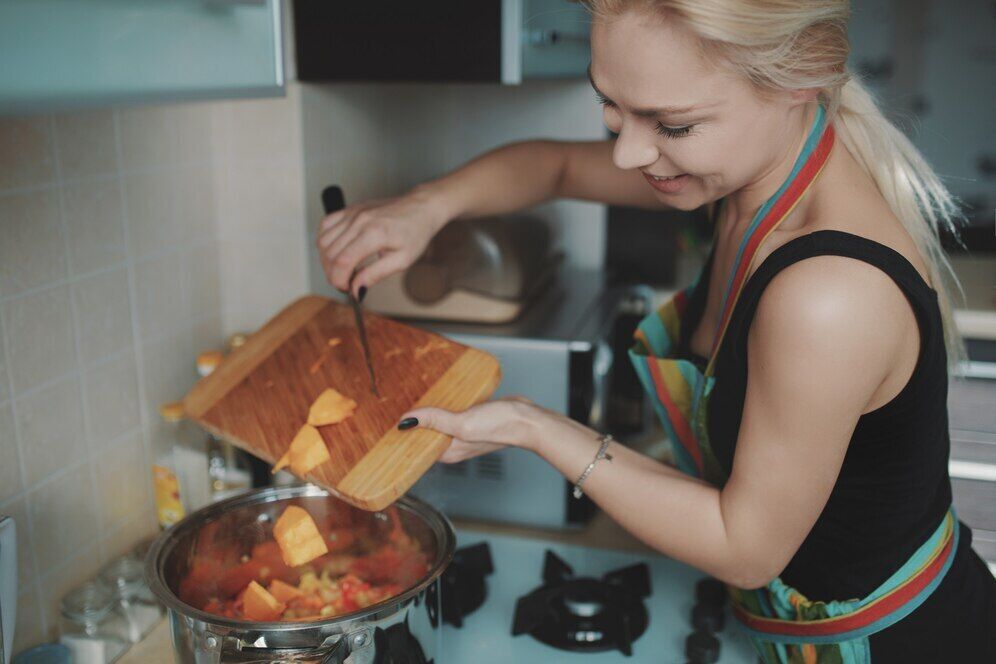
(804, 96)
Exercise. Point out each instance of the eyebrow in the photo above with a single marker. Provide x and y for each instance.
(652, 112)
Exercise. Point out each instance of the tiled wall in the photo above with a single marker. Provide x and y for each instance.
(130, 239)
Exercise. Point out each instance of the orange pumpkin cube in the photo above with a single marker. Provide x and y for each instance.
(330, 408)
(258, 604)
(307, 450)
(284, 592)
(298, 537)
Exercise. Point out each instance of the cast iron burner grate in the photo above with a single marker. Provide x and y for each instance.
(463, 585)
(584, 614)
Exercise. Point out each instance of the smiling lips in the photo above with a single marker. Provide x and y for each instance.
(667, 184)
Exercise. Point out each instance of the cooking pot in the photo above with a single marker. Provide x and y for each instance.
(403, 628)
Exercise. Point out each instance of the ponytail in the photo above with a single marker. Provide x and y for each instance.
(908, 184)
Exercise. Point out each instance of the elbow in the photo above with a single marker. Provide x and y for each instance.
(750, 575)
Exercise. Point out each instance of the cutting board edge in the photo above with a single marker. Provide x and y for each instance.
(353, 487)
(211, 389)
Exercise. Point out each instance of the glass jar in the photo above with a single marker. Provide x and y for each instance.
(134, 601)
(90, 627)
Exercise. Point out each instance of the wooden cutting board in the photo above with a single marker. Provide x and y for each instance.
(259, 396)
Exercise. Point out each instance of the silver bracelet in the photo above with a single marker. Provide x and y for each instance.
(601, 454)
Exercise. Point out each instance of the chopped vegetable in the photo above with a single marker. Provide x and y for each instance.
(258, 604)
(429, 347)
(330, 408)
(334, 341)
(284, 592)
(393, 352)
(306, 452)
(298, 537)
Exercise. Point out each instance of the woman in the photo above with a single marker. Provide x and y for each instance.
(815, 484)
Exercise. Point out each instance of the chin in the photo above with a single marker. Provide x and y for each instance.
(684, 203)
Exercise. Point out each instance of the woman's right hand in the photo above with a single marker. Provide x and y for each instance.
(377, 238)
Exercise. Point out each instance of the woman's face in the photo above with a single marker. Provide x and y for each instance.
(677, 114)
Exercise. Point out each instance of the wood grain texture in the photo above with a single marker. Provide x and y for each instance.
(260, 395)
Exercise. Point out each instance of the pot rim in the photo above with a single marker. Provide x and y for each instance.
(155, 578)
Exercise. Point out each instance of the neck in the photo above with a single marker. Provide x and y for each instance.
(741, 205)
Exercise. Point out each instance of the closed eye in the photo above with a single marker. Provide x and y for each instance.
(673, 132)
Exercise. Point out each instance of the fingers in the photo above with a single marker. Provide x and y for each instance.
(366, 244)
(387, 264)
(437, 419)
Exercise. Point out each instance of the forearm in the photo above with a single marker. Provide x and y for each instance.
(506, 179)
(672, 512)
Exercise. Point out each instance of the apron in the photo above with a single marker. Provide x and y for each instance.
(784, 626)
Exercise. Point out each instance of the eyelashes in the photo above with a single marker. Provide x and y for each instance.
(673, 132)
(661, 128)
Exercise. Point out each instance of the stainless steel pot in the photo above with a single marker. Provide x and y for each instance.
(404, 628)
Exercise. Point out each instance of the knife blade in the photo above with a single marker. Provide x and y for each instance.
(333, 201)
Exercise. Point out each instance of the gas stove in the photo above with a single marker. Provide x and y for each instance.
(518, 599)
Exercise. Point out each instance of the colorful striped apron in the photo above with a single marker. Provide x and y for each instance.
(784, 626)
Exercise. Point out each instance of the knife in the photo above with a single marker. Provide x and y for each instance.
(333, 201)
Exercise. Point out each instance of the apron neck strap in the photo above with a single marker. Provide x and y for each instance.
(807, 167)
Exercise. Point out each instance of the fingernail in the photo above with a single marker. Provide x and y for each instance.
(362, 293)
(408, 423)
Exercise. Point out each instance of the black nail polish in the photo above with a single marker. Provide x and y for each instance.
(362, 293)
(408, 423)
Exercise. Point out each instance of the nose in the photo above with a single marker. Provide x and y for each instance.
(634, 148)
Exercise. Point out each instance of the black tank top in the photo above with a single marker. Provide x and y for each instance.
(893, 488)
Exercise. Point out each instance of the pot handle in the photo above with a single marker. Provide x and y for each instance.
(357, 645)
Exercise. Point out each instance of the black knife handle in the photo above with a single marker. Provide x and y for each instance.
(332, 199)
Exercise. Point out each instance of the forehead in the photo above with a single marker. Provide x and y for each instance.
(644, 60)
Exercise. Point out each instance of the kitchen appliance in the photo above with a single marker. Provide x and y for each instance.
(260, 395)
(484, 270)
(406, 625)
(972, 420)
(8, 586)
(567, 352)
(672, 599)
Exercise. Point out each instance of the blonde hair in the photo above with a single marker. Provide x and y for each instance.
(802, 44)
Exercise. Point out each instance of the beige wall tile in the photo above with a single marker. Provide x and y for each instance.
(64, 517)
(151, 202)
(264, 131)
(32, 249)
(85, 143)
(104, 311)
(50, 426)
(159, 295)
(80, 567)
(208, 334)
(168, 370)
(264, 199)
(193, 127)
(26, 157)
(95, 223)
(10, 457)
(203, 272)
(148, 137)
(195, 212)
(138, 528)
(30, 630)
(258, 279)
(17, 508)
(111, 396)
(40, 337)
(122, 479)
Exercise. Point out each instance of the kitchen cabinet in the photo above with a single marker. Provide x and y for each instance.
(498, 41)
(66, 53)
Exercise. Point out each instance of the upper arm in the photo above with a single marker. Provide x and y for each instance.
(590, 174)
(825, 336)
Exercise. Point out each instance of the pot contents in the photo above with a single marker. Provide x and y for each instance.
(317, 563)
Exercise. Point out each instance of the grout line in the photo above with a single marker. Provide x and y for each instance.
(96, 506)
(120, 173)
(144, 416)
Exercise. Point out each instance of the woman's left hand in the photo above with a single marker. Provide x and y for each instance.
(487, 427)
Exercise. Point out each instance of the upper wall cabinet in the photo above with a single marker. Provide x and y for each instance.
(504, 41)
(73, 53)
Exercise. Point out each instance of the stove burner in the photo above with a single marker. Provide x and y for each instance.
(585, 614)
(463, 586)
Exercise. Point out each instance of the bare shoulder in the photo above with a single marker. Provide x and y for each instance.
(834, 307)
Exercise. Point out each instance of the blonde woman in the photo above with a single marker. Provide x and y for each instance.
(802, 378)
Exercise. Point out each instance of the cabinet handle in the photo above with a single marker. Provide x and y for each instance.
(971, 470)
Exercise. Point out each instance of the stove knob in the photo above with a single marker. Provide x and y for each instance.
(710, 591)
(707, 618)
(702, 648)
